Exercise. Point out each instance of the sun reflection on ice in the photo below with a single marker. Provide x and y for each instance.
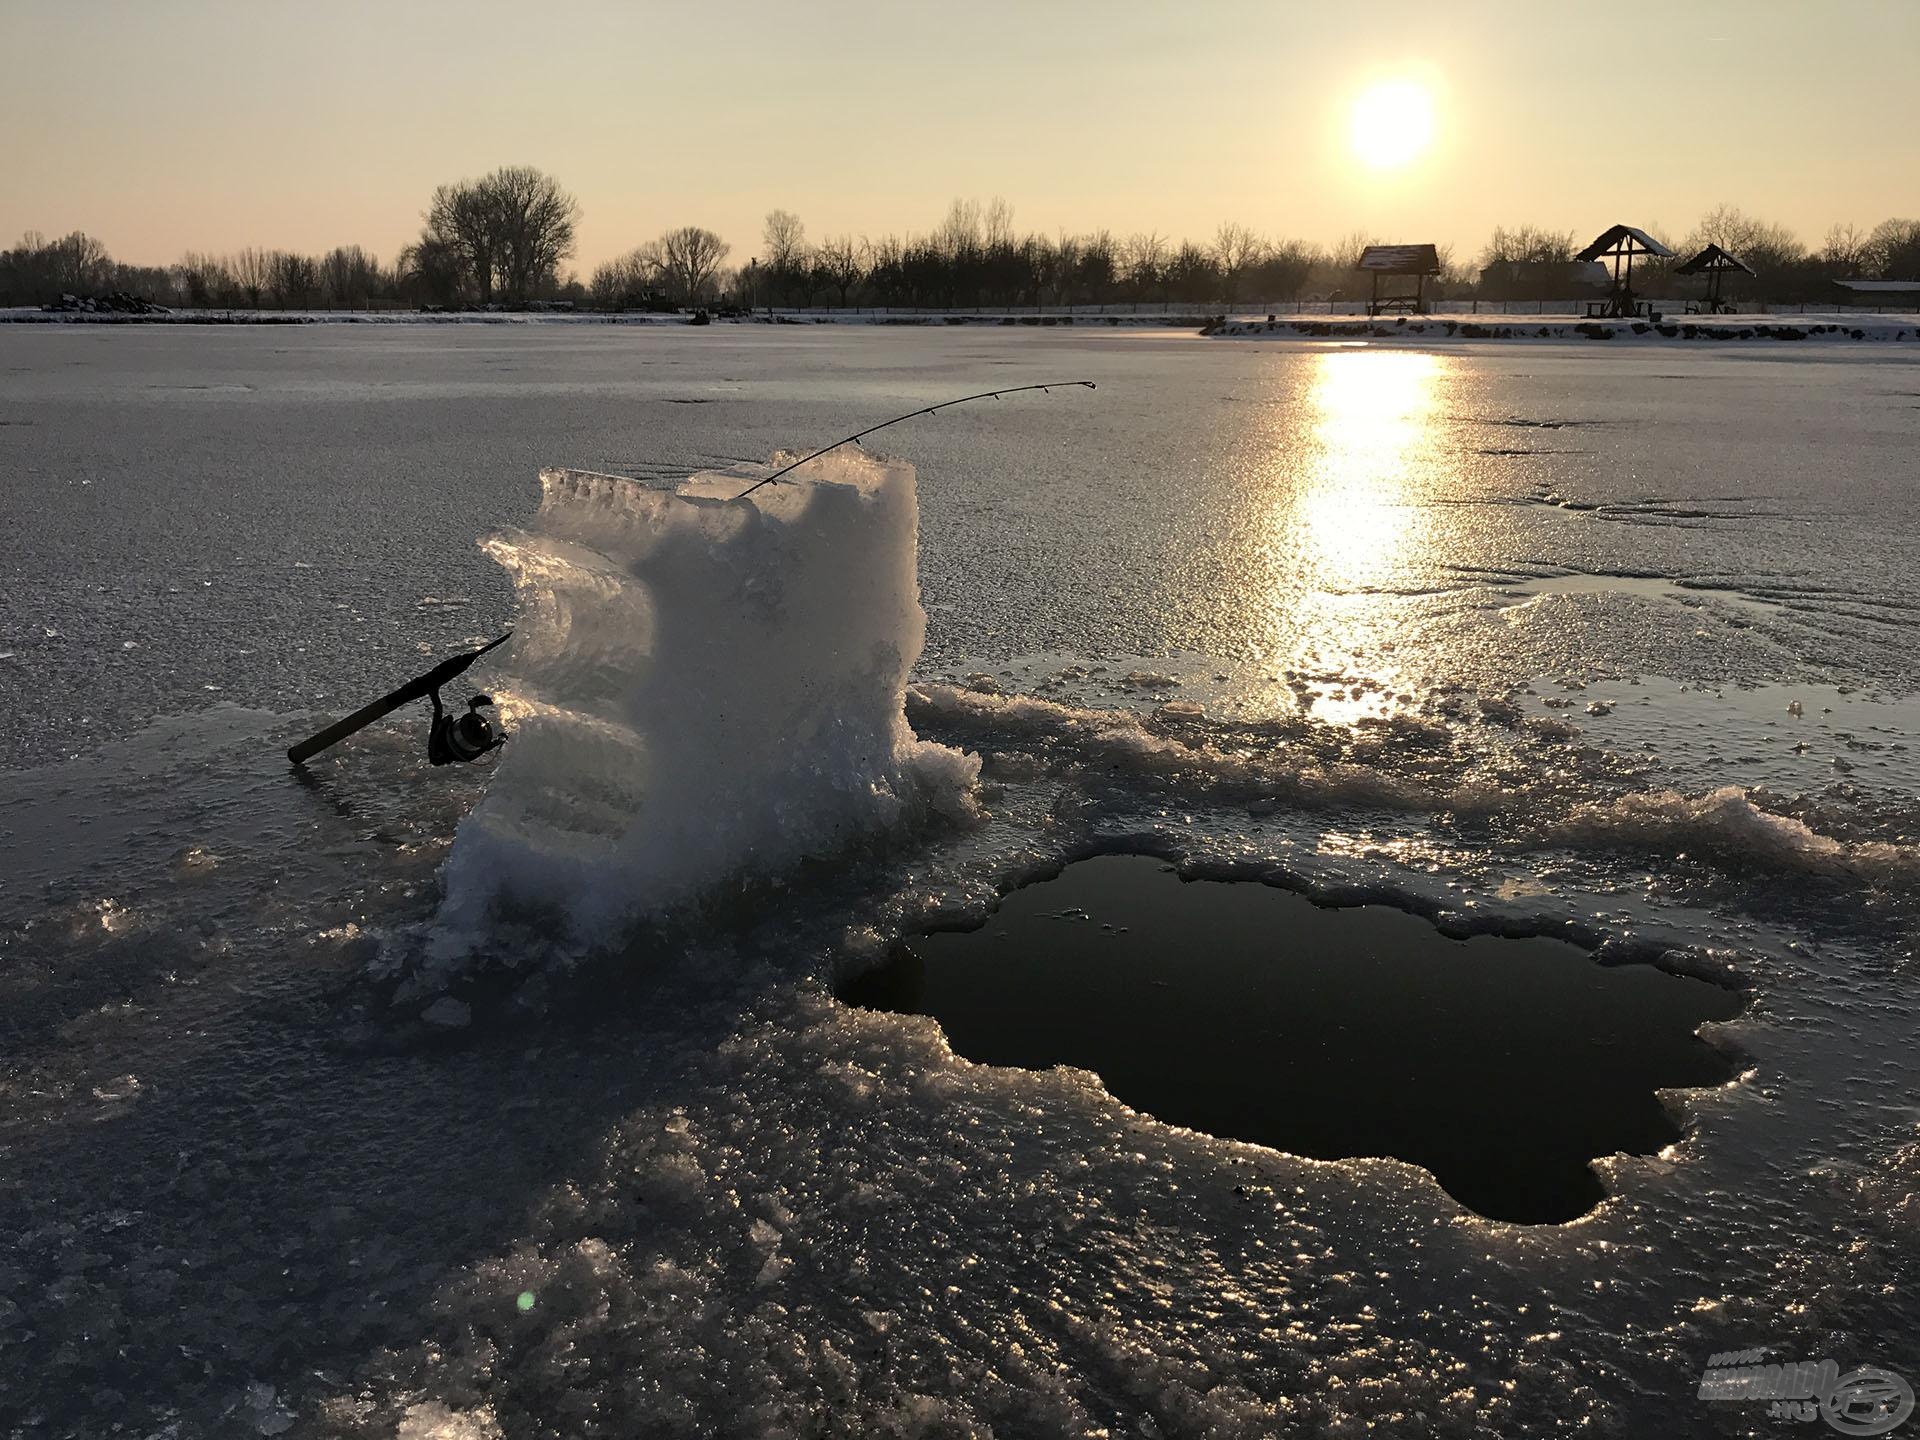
(1373, 409)
(1352, 527)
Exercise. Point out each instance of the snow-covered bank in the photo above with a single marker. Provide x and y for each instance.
(702, 685)
(1572, 327)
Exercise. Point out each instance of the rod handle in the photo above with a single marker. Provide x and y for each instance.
(358, 720)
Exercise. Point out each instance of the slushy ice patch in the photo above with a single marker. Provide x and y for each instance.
(1503, 1066)
(701, 687)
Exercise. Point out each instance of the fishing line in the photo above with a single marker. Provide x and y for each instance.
(1049, 387)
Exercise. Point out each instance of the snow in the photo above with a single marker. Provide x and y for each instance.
(702, 687)
(1561, 329)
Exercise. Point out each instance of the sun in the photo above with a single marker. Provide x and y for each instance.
(1392, 124)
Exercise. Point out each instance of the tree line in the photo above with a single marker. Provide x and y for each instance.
(499, 240)
(503, 241)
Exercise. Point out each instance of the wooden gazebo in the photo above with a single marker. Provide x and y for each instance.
(1419, 261)
(1716, 264)
(1620, 244)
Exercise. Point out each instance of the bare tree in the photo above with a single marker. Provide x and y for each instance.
(1192, 273)
(997, 222)
(1236, 250)
(785, 240)
(1456, 272)
(252, 271)
(533, 220)
(1761, 243)
(1845, 250)
(432, 272)
(1346, 251)
(510, 230)
(959, 234)
(350, 276)
(1097, 267)
(692, 256)
(609, 286)
(842, 263)
(1284, 270)
(1529, 245)
(1143, 259)
(1055, 266)
(886, 269)
(1895, 249)
(784, 237)
(460, 225)
(78, 262)
(293, 279)
(633, 279)
(204, 279)
(1525, 262)
(39, 269)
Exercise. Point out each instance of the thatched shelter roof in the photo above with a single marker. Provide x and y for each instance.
(1400, 259)
(1623, 240)
(1711, 259)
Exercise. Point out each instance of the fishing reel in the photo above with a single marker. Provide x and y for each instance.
(463, 739)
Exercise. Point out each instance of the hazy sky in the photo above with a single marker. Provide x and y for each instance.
(167, 125)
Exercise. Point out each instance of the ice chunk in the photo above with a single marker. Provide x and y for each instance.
(702, 686)
(433, 1421)
(1728, 821)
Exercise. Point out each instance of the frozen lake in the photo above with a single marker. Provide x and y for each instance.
(1613, 647)
(188, 510)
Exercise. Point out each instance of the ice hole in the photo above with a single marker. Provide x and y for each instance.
(1501, 1065)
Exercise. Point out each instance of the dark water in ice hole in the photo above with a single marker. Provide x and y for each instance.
(1503, 1066)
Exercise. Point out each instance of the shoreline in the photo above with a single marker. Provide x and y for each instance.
(1184, 320)
(1877, 327)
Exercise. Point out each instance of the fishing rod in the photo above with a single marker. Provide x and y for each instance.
(1049, 387)
(448, 739)
(472, 735)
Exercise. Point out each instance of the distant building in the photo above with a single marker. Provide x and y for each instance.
(1890, 289)
(1542, 279)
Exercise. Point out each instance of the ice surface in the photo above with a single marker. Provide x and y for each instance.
(702, 686)
(228, 1164)
(1256, 499)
